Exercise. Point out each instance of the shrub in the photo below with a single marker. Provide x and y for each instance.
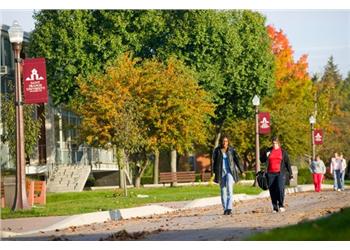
(304, 176)
(90, 182)
(146, 180)
(249, 175)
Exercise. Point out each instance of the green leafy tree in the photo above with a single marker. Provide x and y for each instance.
(334, 100)
(228, 49)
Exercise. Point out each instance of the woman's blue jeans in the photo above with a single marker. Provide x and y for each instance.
(226, 188)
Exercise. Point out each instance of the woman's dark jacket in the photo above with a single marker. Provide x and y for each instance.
(217, 164)
(285, 163)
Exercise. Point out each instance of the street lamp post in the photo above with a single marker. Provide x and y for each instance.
(20, 201)
(256, 103)
(312, 121)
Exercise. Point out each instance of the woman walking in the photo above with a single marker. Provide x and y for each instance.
(343, 171)
(277, 164)
(318, 169)
(225, 165)
(336, 169)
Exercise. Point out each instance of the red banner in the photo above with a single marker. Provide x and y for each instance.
(35, 83)
(318, 136)
(264, 123)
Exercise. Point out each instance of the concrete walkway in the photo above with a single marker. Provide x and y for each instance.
(26, 226)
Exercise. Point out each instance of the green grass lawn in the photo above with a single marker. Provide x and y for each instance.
(329, 181)
(93, 201)
(333, 227)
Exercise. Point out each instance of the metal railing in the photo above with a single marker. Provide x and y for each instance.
(85, 156)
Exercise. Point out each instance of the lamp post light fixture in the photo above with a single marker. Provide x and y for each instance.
(312, 121)
(256, 103)
(20, 201)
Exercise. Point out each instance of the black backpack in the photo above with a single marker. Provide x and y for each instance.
(261, 178)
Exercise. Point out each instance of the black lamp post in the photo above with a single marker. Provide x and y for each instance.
(20, 201)
(256, 103)
(312, 121)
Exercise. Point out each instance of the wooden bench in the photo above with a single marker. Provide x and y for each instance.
(185, 176)
(36, 192)
(170, 177)
(167, 177)
(2, 191)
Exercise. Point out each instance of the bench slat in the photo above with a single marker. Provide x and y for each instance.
(182, 176)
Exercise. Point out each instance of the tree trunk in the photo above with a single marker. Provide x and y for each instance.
(139, 173)
(173, 164)
(122, 175)
(218, 135)
(156, 167)
(140, 169)
(138, 181)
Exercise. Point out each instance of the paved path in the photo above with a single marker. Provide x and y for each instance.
(204, 222)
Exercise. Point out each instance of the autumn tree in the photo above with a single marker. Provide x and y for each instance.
(110, 115)
(292, 100)
(143, 106)
(289, 100)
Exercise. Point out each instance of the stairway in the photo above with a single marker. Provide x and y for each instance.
(68, 178)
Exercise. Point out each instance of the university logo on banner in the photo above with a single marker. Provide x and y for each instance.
(264, 123)
(35, 83)
(318, 136)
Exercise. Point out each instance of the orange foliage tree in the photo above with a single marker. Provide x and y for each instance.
(289, 101)
(144, 106)
(292, 100)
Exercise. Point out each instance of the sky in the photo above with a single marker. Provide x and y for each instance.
(318, 33)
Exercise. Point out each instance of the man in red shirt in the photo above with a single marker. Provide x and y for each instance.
(277, 164)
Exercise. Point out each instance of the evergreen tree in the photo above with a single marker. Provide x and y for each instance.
(331, 73)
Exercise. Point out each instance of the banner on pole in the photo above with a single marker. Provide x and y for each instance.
(35, 82)
(318, 136)
(264, 123)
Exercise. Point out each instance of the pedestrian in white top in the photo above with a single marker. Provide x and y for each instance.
(332, 167)
(336, 167)
(342, 172)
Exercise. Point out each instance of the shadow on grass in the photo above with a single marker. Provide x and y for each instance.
(332, 227)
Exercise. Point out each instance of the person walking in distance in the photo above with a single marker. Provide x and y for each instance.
(318, 169)
(332, 170)
(277, 165)
(225, 165)
(336, 167)
(342, 172)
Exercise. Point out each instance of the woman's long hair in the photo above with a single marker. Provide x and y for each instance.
(221, 141)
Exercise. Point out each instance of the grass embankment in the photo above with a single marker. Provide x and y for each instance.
(333, 227)
(94, 201)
